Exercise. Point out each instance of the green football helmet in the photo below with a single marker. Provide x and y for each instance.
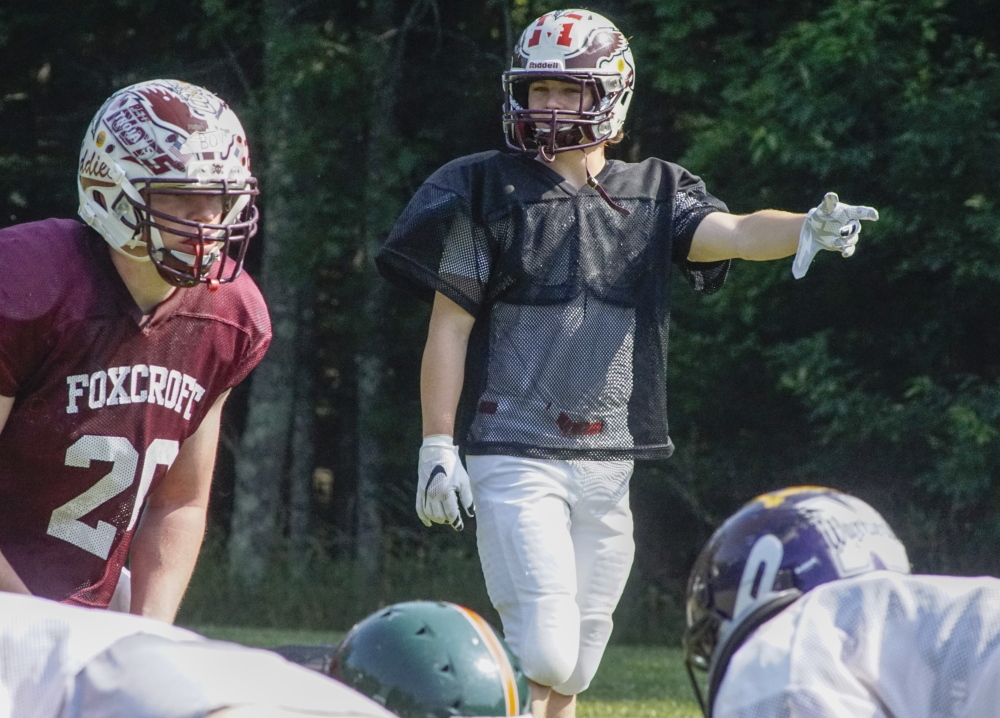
(431, 659)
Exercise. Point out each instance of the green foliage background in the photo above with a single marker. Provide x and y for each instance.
(877, 375)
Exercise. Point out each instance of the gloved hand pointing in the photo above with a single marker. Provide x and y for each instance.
(832, 225)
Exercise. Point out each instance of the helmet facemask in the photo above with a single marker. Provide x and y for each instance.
(592, 123)
(223, 244)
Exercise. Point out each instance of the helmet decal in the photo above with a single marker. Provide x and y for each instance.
(759, 573)
(859, 540)
(179, 114)
(496, 649)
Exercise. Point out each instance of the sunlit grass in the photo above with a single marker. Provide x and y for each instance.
(637, 709)
(268, 637)
(640, 682)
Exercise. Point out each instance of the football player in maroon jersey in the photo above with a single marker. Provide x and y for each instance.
(550, 274)
(115, 361)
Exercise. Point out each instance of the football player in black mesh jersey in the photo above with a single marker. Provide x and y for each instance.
(549, 270)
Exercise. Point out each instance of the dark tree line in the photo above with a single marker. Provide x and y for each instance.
(878, 375)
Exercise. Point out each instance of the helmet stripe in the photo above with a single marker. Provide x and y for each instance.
(496, 650)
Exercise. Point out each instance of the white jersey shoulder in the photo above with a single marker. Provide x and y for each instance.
(43, 644)
(59, 661)
(882, 644)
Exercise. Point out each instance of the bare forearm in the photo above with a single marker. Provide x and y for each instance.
(10, 582)
(164, 552)
(769, 234)
(442, 370)
(764, 235)
(441, 375)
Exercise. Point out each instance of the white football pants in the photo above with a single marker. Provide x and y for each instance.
(555, 542)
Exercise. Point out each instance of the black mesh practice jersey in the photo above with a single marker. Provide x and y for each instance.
(567, 357)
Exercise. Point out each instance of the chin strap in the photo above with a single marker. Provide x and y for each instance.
(593, 184)
(543, 151)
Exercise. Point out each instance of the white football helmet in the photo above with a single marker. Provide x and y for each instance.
(577, 46)
(165, 137)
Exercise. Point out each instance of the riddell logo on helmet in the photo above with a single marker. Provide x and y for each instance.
(547, 65)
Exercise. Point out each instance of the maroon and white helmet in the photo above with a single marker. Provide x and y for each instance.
(169, 137)
(576, 46)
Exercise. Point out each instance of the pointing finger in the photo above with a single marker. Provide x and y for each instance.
(868, 213)
(830, 202)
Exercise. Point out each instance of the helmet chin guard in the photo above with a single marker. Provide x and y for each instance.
(574, 46)
(166, 137)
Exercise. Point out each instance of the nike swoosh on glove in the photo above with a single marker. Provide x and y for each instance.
(442, 483)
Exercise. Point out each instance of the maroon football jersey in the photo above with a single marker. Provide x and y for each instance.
(103, 399)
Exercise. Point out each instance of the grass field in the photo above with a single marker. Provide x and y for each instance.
(633, 682)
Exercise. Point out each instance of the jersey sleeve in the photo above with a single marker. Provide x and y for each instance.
(256, 324)
(439, 245)
(692, 203)
(28, 299)
(18, 346)
(250, 359)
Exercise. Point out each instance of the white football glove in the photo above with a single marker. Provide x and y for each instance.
(832, 226)
(441, 483)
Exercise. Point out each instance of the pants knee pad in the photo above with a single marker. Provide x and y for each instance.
(595, 631)
(549, 664)
(546, 639)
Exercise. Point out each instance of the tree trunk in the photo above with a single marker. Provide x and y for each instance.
(260, 462)
(368, 551)
(385, 55)
(302, 461)
(369, 359)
